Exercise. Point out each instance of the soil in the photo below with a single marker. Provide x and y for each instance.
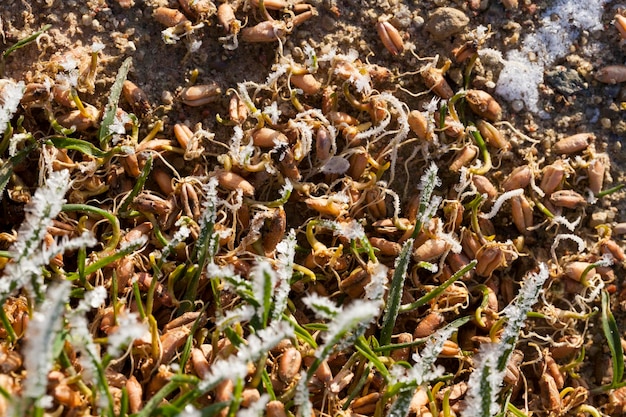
(571, 99)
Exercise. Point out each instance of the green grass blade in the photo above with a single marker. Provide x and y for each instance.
(400, 407)
(612, 334)
(395, 292)
(111, 107)
(76, 145)
(437, 291)
(6, 170)
(22, 43)
(141, 180)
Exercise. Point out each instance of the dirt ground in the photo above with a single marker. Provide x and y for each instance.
(571, 100)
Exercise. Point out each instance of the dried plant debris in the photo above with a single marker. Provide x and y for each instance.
(304, 208)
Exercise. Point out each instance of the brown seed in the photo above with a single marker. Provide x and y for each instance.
(200, 363)
(610, 246)
(237, 110)
(484, 186)
(289, 365)
(522, 213)
(419, 124)
(137, 98)
(620, 24)
(171, 341)
(323, 144)
(152, 204)
(428, 325)
(575, 270)
(198, 8)
(568, 199)
(198, 95)
(327, 206)
(135, 394)
(612, 74)
(553, 369)
(492, 135)
(183, 135)
(404, 353)
(268, 31)
(169, 17)
(66, 396)
(552, 177)
(226, 17)
(595, 171)
(450, 349)
(124, 270)
(274, 230)
(435, 81)
(77, 120)
(484, 105)
(271, 4)
(431, 249)
(307, 83)
(358, 164)
(510, 4)
(268, 138)
(249, 396)
(386, 247)
(519, 178)
(574, 143)
(365, 404)
(275, 409)
(390, 37)
(233, 182)
(550, 397)
(490, 258)
(463, 158)
(163, 180)
(340, 119)
(10, 360)
(354, 284)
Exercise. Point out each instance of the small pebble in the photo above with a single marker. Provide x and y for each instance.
(446, 22)
(517, 105)
(598, 218)
(619, 229)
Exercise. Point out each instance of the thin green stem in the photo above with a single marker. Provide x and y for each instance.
(440, 289)
(112, 219)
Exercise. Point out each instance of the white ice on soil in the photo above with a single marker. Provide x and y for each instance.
(559, 27)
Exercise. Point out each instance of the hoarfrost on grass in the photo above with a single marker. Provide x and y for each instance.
(27, 253)
(323, 307)
(424, 369)
(9, 101)
(43, 327)
(484, 383)
(236, 366)
(129, 329)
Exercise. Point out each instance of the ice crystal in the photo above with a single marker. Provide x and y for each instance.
(375, 289)
(484, 383)
(236, 366)
(497, 205)
(10, 96)
(28, 255)
(43, 327)
(256, 409)
(323, 307)
(129, 329)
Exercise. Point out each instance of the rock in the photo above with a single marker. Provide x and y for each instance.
(566, 81)
(446, 22)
